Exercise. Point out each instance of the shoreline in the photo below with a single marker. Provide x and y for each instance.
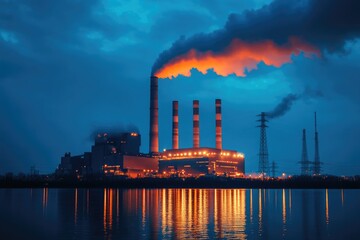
(211, 183)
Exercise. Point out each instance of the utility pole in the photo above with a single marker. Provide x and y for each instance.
(263, 151)
(304, 156)
(317, 163)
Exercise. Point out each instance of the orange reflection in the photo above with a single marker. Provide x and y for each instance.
(191, 210)
(284, 206)
(104, 209)
(342, 197)
(260, 212)
(108, 209)
(180, 213)
(327, 206)
(45, 198)
(143, 206)
(251, 206)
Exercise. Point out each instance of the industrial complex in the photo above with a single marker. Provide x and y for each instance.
(119, 154)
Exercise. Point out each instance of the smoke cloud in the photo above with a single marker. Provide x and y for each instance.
(320, 24)
(286, 103)
(113, 131)
(283, 107)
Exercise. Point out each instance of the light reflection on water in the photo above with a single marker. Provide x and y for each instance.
(179, 213)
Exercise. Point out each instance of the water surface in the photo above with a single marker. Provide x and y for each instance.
(179, 214)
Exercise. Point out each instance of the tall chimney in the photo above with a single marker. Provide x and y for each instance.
(218, 138)
(196, 131)
(175, 125)
(154, 113)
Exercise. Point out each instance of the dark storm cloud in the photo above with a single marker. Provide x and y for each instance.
(57, 78)
(47, 27)
(168, 26)
(327, 24)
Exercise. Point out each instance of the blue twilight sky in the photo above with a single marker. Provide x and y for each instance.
(69, 68)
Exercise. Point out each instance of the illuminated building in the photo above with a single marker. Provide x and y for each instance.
(119, 154)
(111, 155)
(197, 161)
(109, 149)
(202, 161)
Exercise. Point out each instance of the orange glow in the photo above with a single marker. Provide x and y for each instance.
(251, 206)
(327, 206)
(284, 206)
(108, 209)
(45, 198)
(238, 58)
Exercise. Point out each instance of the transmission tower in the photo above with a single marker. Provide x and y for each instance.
(317, 163)
(304, 156)
(263, 151)
(273, 169)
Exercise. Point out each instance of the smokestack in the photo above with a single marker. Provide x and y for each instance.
(218, 130)
(196, 131)
(175, 125)
(154, 113)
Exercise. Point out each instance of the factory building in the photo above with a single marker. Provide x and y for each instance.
(119, 154)
(111, 155)
(201, 161)
(74, 165)
(197, 161)
(194, 161)
(109, 149)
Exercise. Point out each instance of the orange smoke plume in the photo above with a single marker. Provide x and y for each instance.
(237, 58)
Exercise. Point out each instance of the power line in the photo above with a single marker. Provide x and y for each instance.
(263, 151)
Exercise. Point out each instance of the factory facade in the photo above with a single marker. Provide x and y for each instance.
(119, 154)
(111, 155)
(195, 161)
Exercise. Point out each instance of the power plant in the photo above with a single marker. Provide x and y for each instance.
(197, 161)
(119, 154)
